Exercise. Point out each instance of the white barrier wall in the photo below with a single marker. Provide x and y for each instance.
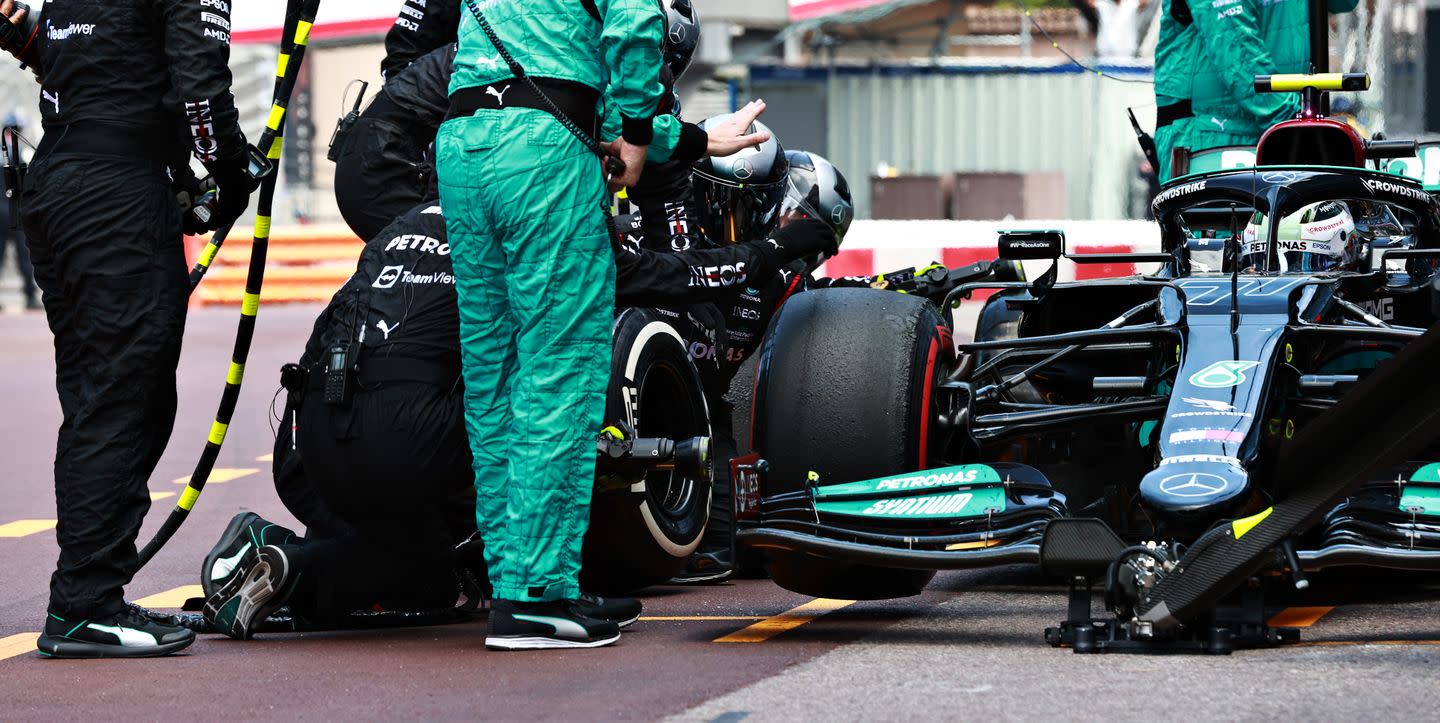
(875, 247)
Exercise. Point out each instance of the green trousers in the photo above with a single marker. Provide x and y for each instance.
(524, 206)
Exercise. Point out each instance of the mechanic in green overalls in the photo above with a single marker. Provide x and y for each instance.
(1206, 60)
(525, 205)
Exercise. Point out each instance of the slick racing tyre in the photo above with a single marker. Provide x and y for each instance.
(846, 389)
(998, 321)
(642, 530)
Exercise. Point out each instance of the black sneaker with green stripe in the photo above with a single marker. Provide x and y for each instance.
(263, 581)
(247, 531)
(126, 634)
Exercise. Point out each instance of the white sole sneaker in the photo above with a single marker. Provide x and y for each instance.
(543, 643)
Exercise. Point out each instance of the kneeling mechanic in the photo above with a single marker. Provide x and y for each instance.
(384, 447)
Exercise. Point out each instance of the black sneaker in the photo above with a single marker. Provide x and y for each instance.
(705, 568)
(127, 634)
(262, 582)
(545, 625)
(246, 531)
(623, 611)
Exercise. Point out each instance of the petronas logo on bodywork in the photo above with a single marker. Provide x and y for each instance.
(1222, 374)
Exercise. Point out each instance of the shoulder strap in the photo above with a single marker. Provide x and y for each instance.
(1180, 11)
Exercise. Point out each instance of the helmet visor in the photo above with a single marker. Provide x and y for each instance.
(801, 204)
(733, 213)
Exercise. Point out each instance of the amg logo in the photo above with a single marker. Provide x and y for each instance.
(1382, 309)
(930, 480)
(1178, 191)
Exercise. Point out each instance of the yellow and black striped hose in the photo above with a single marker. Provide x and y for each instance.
(299, 17)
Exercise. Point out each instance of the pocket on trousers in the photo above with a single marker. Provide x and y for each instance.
(458, 142)
(545, 130)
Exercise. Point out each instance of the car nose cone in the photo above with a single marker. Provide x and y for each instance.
(1190, 487)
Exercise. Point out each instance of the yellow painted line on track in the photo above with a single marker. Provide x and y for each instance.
(157, 496)
(221, 475)
(665, 618)
(171, 598)
(788, 620)
(1301, 617)
(17, 644)
(265, 458)
(22, 528)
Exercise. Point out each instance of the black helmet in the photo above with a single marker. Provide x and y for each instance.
(739, 195)
(816, 189)
(682, 34)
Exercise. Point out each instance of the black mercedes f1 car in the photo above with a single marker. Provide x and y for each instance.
(1100, 428)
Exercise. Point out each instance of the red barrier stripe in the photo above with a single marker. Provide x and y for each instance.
(852, 262)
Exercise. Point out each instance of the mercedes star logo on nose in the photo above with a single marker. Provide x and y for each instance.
(1193, 484)
(1280, 177)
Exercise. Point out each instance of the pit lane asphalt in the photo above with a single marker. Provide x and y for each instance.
(970, 647)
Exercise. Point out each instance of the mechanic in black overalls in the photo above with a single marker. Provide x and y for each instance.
(385, 457)
(130, 89)
(739, 197)
(421, 27)
(383, 162)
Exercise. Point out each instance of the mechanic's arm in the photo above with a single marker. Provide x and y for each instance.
(421, 26)
(24, 46)
(646, 278)
(197, 45)
(630, 42)
(1229, 32)
(673, 138)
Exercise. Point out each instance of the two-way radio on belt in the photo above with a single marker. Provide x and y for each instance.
(299, 18)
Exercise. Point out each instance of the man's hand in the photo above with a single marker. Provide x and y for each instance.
(805, 238)
(734, 134)
(235, 187)
(632, 156)
(12, 13)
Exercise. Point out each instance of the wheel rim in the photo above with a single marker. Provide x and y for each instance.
(673, 412)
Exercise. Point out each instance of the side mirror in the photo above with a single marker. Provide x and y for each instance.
(1007, 270)
(1031, 245)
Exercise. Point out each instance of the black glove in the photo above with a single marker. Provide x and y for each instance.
(804, 238)
(235, 187)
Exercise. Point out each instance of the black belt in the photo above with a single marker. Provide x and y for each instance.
(576, 100)
(380, 369)
(107, 139)
(373, 370)
(1167, 114)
